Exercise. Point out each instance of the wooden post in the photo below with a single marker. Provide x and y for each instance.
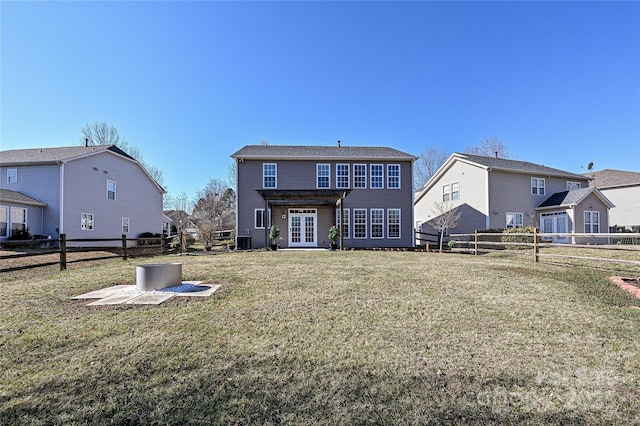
(162, 244)
(536, 249)
(183, 241)
(124, 247)
(475, 242)
(63, 252)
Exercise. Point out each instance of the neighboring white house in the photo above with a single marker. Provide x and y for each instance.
(623, 189)
(501, 193)
(83, 192)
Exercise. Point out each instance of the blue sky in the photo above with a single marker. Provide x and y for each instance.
(189, 83)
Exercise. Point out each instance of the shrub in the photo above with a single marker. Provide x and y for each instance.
(519, 238)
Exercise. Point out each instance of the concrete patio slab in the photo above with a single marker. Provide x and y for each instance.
(115, 299)
(149, 299)
(105, 292)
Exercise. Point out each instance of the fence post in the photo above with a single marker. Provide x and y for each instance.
(475, 242)
(63, 252)
(124, 247)
(536, 249)
(162, 244)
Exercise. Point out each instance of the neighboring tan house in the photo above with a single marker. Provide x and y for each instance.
(83, 192)
(179, 220)
(307, 189)
(623, 189)
(497, 193)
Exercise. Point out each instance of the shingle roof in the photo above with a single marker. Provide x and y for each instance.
(571, 198)
(320, 152)
(52, 155)
(609, 178)
(518, 166)
(9, 196)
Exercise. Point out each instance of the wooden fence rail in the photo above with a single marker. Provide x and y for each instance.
(489, 241)
(141, 247)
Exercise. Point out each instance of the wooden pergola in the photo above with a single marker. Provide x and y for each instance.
(304, 197)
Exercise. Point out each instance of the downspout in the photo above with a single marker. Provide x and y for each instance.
(487, 207)
(61, 225)
(573, 223)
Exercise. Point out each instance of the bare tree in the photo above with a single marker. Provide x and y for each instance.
(101, 133)
(427, 164)
(232, 175)
(446, 217)
(489, 147)
(180, 202)
(215, 208)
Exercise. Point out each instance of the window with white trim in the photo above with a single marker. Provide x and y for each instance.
(323, 175)
(591, 222)
(269, 175)
(455, 190)
(393, 176)
(4, 221)
(260, 219)
(125, 225)
(111, 190)
(537, 186)
(446, 192)
(342, 176)
(573, 185)
(345, 224)
(18, 219)
(377, 223)
(12, 175)
(514, 220)
(393, 223)
(360, 176)
(359, 223)
(377, 178)
(86, 221)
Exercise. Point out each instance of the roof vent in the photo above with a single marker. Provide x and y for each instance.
(338, 143)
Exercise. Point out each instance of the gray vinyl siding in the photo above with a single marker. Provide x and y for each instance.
(137, 197)
(41, 182)
(301, 175)
(627, 206)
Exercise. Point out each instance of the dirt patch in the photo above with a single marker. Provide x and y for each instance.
(632, 285)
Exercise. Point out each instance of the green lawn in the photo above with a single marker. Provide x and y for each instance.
(318, 337)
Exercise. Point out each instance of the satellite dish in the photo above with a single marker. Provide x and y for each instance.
(590, 166)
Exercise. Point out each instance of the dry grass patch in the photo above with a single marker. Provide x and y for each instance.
(325, 338)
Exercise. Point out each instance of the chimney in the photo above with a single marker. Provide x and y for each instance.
(86, 142)
(496, 154)
(338, 143)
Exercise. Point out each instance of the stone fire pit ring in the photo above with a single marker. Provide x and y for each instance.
(156, 276)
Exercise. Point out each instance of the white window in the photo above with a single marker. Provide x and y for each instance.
(111, 190)
(260, 219)
(4, 221)
(377, 178)
(377, 223)
(359, 223)
(342, 176)
(12, 175)
(455, 190)
(269, 175)
(18, 219)
(446, 192)
(537, 186)
(514, 220)
(359, 175)
(323, 172)
(345, 224)
(573, 185)
(393, 176)
(393, 223)
(591, 222)
(125, 225)
(86, 221)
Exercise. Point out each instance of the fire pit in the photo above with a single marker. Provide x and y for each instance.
(156, 276)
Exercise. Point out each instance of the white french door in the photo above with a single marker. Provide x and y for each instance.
(303, 230)
(555, 223)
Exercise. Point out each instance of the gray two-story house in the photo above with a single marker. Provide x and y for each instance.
(304, 190)
(502, 193)
(84, 192)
